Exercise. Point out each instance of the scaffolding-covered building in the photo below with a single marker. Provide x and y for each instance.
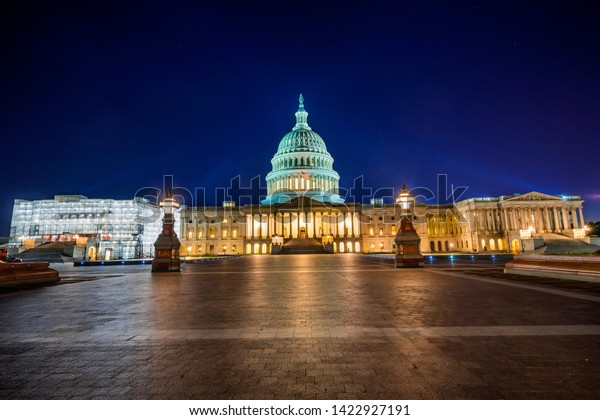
(104, 228)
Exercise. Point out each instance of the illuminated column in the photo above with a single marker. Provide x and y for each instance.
(486, 218)
(287, 229)
(301, 222)
(294, 224)
(356, 224)
(271, 225)
(565, 217)
(505, 224)
(520, 220)
(547, 219)
(310, 224)
(340, 223)
(574, 218)
(482, 221)
(318, 225)
(278, 224)
(580, 211)
(334, 224)
(556, 220)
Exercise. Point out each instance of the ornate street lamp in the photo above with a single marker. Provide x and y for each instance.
(166, 254)
(408, 252)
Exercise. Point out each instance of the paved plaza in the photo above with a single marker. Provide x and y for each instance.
(301, 327)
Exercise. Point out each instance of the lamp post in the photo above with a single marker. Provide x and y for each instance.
(408, 253)
(166, 255)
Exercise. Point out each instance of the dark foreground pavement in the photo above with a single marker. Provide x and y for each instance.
(306, 327)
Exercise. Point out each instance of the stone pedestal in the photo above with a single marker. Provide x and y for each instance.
(14, 275)
(408, 246)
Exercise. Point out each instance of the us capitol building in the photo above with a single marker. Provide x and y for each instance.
(303, 212)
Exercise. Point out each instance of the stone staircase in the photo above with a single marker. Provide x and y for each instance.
(303, 246)
(51, 252)
(560, 244)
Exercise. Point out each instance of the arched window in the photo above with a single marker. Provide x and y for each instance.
(432, 246)
(483, 247)
(264, 248)
(500, 245)
(446, 246)
(349, 246)
(439, 246)
(492, 245)
(356, 246)
(256, 248)
(342, 247)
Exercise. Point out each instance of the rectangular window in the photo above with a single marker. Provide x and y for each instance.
(225, 233)
(234, 233)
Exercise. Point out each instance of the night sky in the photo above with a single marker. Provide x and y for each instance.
(105, 99)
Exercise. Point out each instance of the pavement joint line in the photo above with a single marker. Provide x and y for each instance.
(520, 286)
(312, 271)
(349, 332)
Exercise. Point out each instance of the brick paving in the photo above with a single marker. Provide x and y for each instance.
(299, 327)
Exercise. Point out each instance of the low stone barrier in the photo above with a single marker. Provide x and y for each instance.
(14, 275)
(570, 267)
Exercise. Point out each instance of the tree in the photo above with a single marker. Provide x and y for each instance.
(593, 228)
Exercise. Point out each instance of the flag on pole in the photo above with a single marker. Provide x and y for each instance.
(304, 175)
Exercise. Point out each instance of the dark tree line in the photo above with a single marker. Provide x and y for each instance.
(594, 228)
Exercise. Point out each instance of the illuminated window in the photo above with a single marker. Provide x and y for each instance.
(225, 233)
(199, 249)
(212, 232)
(393, 229)
(234, 248)
(225, 220)
(234, 233)
(371, 231)
(380, 231)
(190, 233)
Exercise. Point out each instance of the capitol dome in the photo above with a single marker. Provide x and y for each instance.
(302, 166)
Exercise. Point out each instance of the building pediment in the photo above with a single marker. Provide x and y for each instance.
(303, 203)
(533, 196)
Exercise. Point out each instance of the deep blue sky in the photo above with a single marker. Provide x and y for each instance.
(104, 99)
